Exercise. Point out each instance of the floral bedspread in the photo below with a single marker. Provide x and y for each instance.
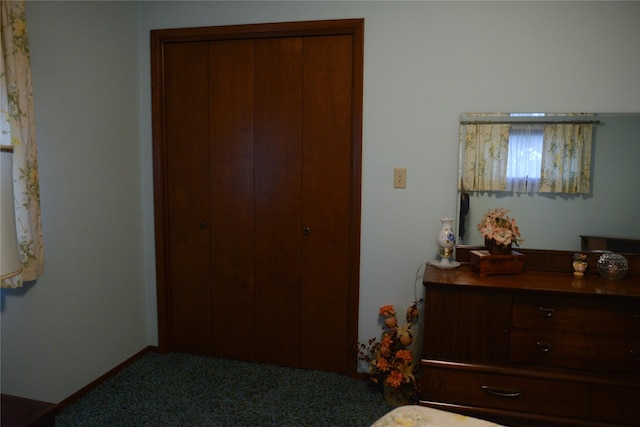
(414, 415)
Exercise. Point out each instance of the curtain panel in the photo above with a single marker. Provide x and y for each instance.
(18, 130)
(566, 159)
(485, 153)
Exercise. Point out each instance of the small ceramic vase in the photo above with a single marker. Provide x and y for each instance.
(446, 240)
(579, 267)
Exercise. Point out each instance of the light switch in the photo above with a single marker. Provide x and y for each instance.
(400, 178)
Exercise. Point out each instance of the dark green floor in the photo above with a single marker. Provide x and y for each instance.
(187, 390)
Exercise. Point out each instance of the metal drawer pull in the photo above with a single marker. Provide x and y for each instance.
(501, 392)
(544, 347)
(546, 311)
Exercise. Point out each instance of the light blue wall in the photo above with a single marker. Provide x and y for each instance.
(425, 63)
(88, 312)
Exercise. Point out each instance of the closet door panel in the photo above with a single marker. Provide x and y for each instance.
(278, 127)
(326, 174)
(187, 195)
(232, 190)
(256, 145)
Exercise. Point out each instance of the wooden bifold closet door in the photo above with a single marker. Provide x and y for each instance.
(257, 151)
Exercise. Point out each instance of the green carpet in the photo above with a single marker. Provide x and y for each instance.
(187, 390)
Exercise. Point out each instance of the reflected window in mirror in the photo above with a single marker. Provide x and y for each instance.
(555, 220)
(525, 158)
(540, 154)
(525, 155)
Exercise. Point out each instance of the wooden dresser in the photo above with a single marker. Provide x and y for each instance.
(536, 349)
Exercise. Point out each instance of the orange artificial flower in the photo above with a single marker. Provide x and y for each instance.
(389, 359)
(386, 341)
(385, 345)
(404, 355)
(387, 311)
(395, 379)
(383, 364)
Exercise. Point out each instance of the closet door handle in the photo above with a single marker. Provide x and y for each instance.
(306, 231)
(544, 347)
(501, 392)
(203, 225)
(546, 311)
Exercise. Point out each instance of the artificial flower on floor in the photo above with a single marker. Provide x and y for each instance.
(390, 361)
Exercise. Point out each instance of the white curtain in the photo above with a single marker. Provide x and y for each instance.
(18, 130)
(525, 152)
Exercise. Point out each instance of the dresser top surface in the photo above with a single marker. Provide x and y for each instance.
(539, 281)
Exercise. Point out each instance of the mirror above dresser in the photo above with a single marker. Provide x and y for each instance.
(556, 220)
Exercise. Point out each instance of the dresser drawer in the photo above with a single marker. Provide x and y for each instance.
(604, 353)
(574, 314)
(505, 392)
(615, 404)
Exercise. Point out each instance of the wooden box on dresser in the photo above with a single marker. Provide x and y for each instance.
(539, 348)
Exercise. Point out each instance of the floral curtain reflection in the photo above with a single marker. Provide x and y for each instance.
(18, 130)
(566, 158)
(535, 157)
(485, 151)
